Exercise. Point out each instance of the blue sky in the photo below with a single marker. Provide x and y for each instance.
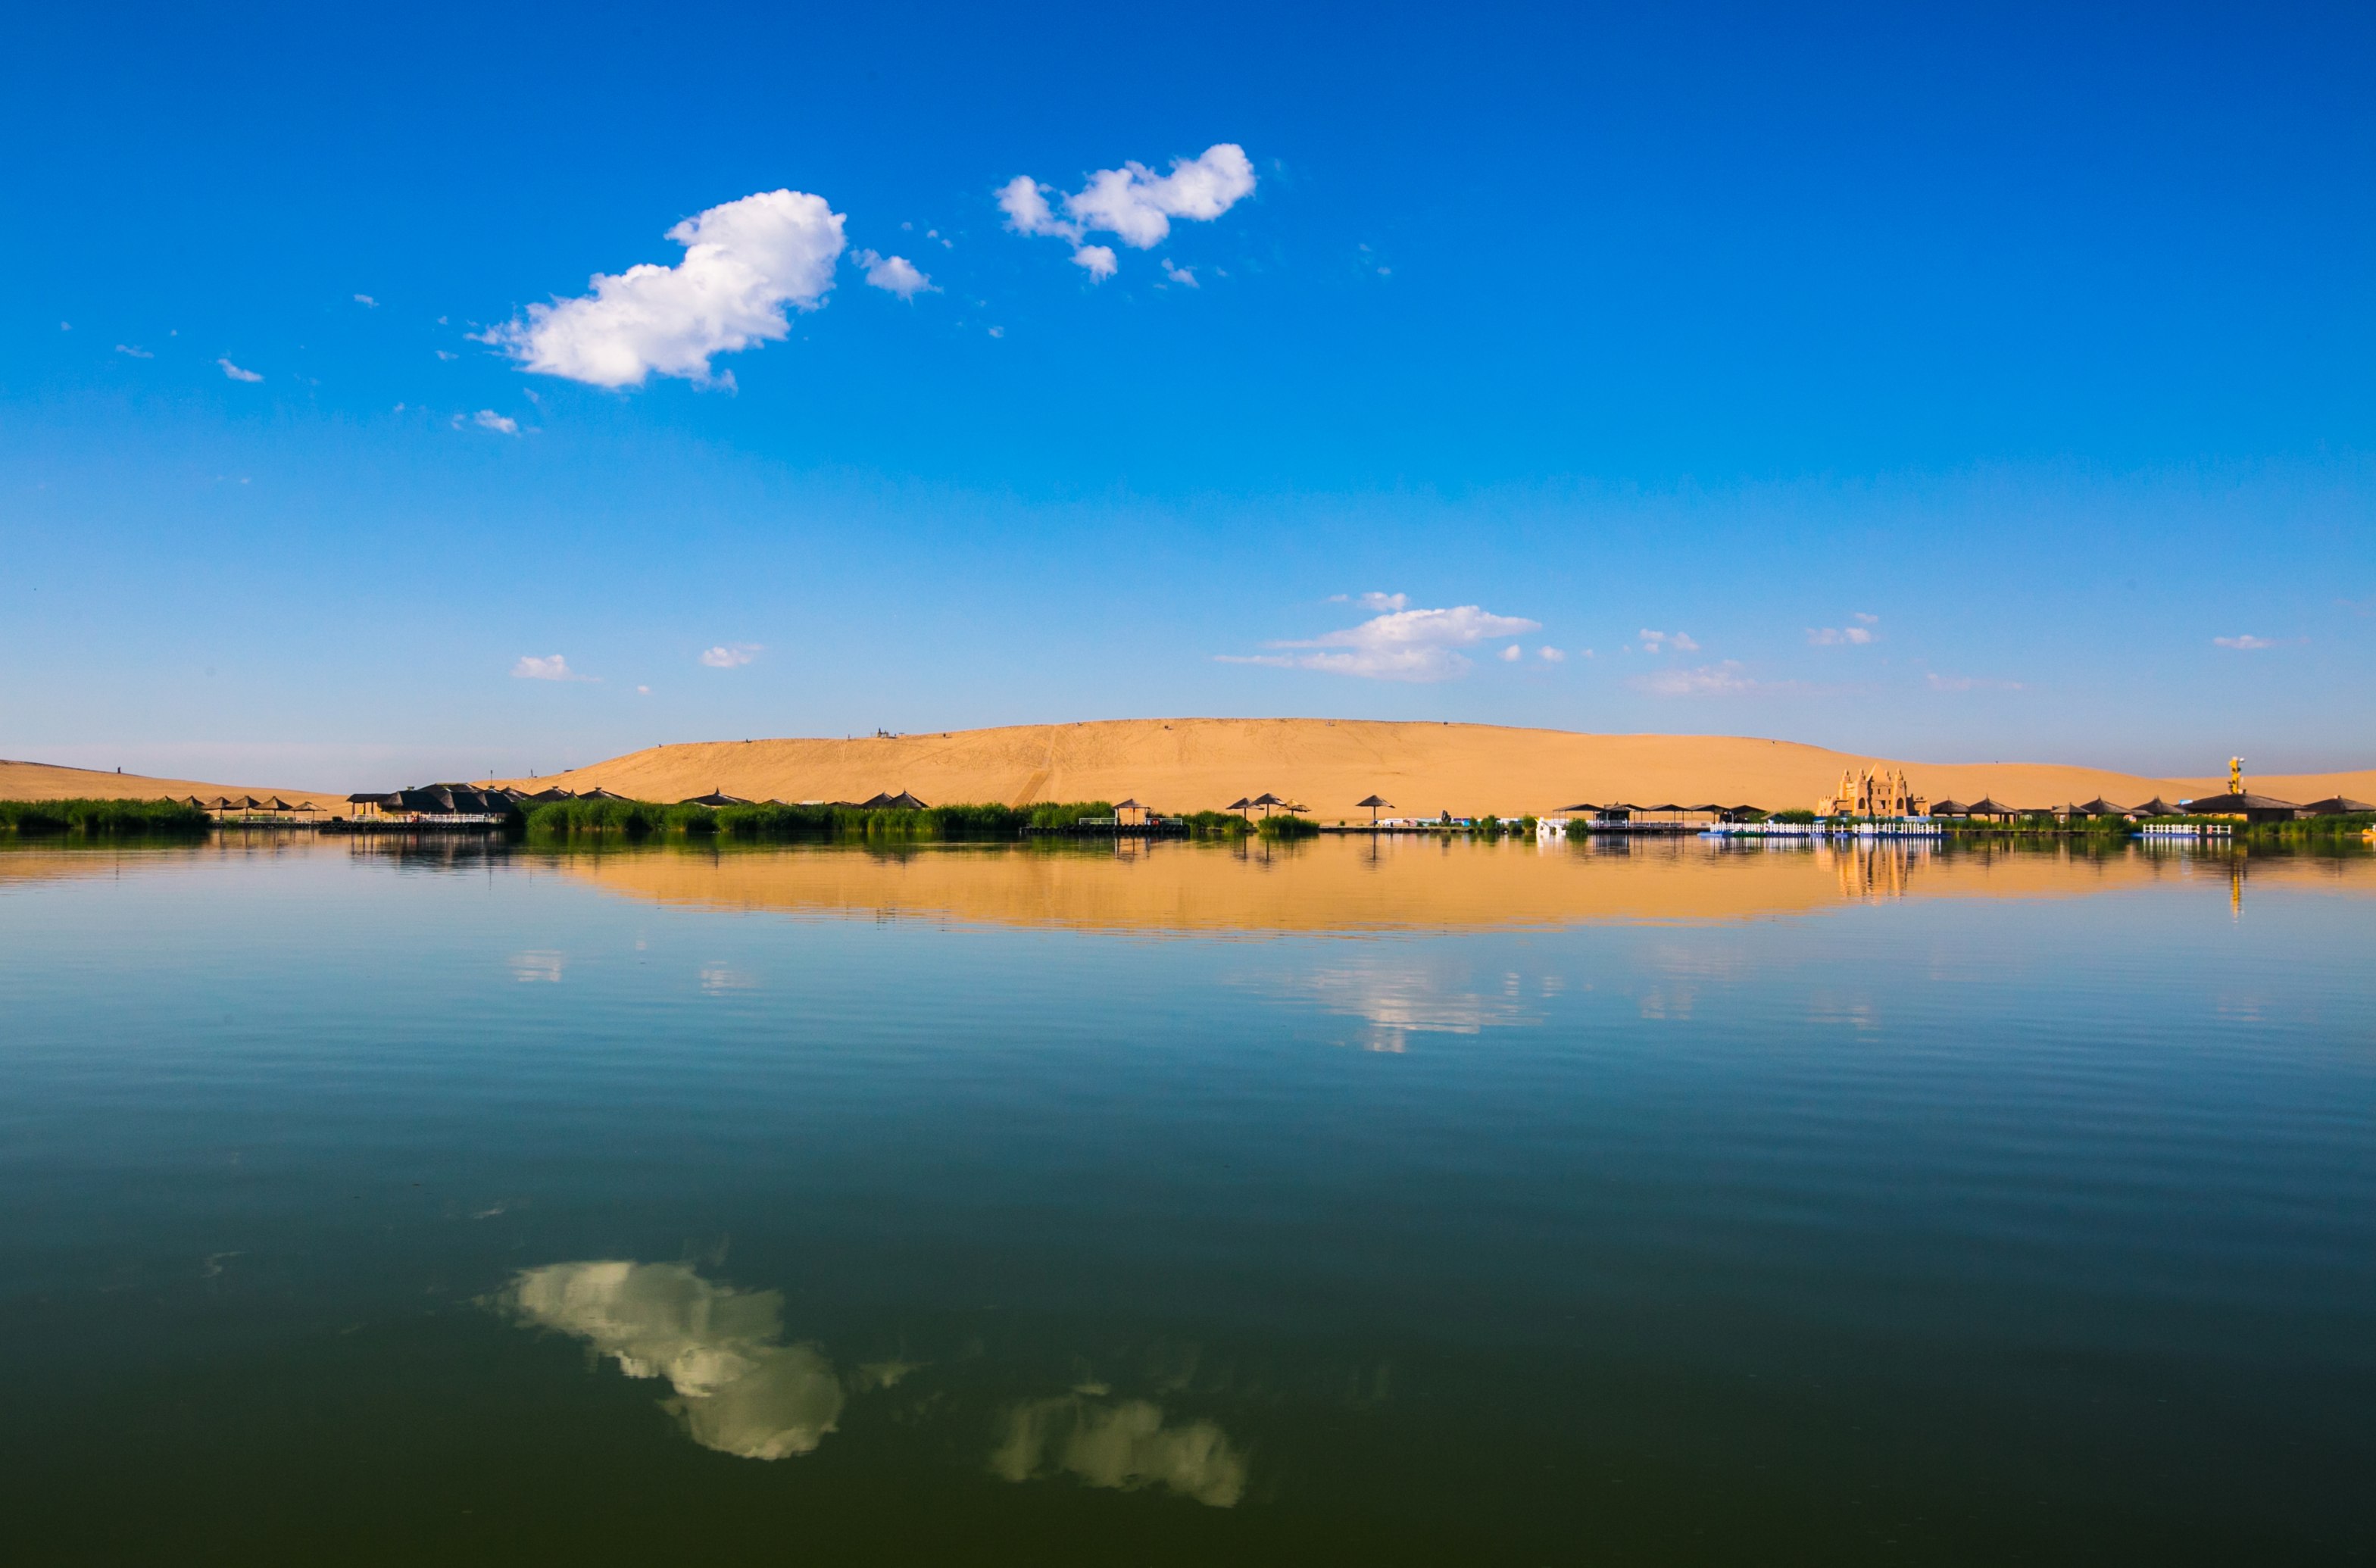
(1962, 388)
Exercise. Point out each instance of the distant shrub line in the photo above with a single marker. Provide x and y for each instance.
(100, 818)
(977, 822)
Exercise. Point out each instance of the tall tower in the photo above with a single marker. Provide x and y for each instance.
(2235, 776)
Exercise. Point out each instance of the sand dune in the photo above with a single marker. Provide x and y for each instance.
(40, 781)
(1202, 764)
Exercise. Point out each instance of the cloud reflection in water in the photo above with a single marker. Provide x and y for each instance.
(1120, 1444)
(739, 1389)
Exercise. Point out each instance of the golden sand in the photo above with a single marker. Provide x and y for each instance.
(1178, 764)
(40, 781)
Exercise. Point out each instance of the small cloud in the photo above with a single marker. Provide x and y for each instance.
(129, 350)
(1401, 644)
(445, 353)
(1725, 680)
(1662, 641)
(1868, 619)
(1553, 656)
(745, 263)
(2358, 606)
(65, 325)
(1133, 203)
(643, 691)
(366, 302)
(236, 373)
(1183, 275)
(553, 667)
(727, 655)
(1939, 682)
(998, 331)
(1512, 653)
(893, 274)
(2247, 643)
(487, 419)
(1838, 636)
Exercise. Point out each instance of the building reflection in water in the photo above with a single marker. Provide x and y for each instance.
(1124, 1443)
(739, 1388)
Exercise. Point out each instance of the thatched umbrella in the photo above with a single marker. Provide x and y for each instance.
(1240, 805)
(1373, 802)
(1266, 800)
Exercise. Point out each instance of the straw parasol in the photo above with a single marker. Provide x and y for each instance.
(1373, 803)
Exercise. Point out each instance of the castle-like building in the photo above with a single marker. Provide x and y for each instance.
(1873, 793)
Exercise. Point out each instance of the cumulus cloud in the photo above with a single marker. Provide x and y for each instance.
(1400, 645)
(236, 373)
(1939, 682)
(1551, 654)
(1125, 1444)
(727, 656)
(2247, 643)
(1725, 680)
(1133, 203)
(1183, 275)
(128, 350)
(739, 1389)
(487, 419)
(745, 263)
(1661, 641)
(1512, 653)
(551, 667)
(895, 275)
(1098, 259)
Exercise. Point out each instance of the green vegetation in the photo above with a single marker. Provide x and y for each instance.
(1217, 825)
(2322, 830)
(101, 817)
(644, 819)
(1803, 817)
(1287, 824)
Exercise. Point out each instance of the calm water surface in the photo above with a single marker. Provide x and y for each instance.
(1372, 1203)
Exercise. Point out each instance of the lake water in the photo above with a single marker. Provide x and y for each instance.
(1359, 1203)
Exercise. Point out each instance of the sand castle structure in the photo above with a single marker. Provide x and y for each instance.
(1874, 792)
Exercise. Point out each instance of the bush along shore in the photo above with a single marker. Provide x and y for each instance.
(957, 823)
(102, 818)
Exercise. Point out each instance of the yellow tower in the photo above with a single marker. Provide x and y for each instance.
(2235, 776)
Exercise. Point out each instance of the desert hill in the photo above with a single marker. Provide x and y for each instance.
(1200, 764)
(40, 781)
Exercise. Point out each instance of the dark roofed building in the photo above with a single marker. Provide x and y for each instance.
(2336, 805)
(900, 801)
(715, 798)
(2246, 806)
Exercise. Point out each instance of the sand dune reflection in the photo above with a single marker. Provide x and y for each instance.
(739, 1390)
(1353, 887)
(1122, 1444)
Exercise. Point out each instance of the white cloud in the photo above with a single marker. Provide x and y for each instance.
(1373, 601)
(1512, 653)
(1553, 656)
(553, 667)
(1725, 680)
(1939, 682)
(236, 373)
(895, 275)
(1661, 641)
(1869, 620)
(487, 419)
(1133, 203)
(727, 655)
(1838, 636)
(2244, 644)
(739, 1389)
(1185, 277)
(643, 691)
(135, 353)
(1401, 644)
(1098, 259)
(744, 263)
(366, 302)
